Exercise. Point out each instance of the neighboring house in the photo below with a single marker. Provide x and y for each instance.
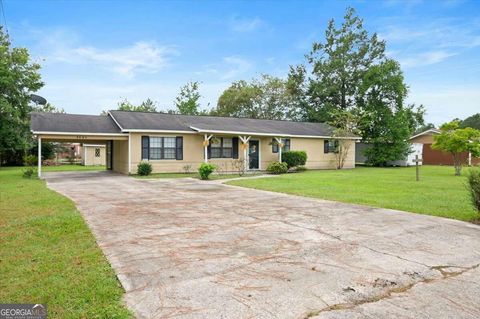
(94, 154)
(435, 157)
(409, 160)
(171, 142)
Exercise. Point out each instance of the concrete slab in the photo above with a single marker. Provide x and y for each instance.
(193, 249)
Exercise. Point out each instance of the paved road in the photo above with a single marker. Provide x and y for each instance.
(190, 249)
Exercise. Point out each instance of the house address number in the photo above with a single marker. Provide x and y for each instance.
(79, 137)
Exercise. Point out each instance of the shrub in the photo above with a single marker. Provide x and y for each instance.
(205, 170)
(294, 158)
(300, 168)
(144, 168)
(473, 183)
(277, 168)
(29, 172)
(30, 160)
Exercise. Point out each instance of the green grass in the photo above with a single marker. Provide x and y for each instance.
(48, 254)
(438, 193)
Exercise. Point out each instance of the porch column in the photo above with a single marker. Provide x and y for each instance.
(206, 141)
(129, 154)
(279, 141)
(245, 140)
(39, 171)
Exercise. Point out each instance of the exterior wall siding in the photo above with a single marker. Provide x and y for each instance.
(193, 154)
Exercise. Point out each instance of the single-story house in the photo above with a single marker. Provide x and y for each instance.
(173, 143)
(94, 154)
(435, 157)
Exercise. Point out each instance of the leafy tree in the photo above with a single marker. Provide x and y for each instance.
(385, 122)
(125, 105)
(337, 67)
(263, 98)
(187, 100)
(456, 140)
(48, 108)
(18, 77)
(146, 106)
(345, 124)
(350, 72)
(471, 121)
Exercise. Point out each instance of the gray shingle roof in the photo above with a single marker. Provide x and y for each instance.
(175, 122)
(74, 123)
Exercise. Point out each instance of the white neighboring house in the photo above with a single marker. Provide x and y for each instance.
(416, 149)
(93, 154)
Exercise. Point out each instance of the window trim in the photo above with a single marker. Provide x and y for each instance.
(162, 148)
(222, 148)
(275, 146)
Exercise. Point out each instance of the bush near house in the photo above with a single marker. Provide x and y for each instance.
(277, 168)
(294, 158)
(473, 183)
(144, 168)
(205, 170)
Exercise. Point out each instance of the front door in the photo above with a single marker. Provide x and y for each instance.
(253, 155)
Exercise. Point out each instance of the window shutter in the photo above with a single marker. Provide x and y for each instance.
(209, 151)
(179, 148)
(145, 147)
(325, 146)
(235, 147)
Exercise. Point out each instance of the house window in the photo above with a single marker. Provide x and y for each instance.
(162, 148)
(330, 146)
(221, 147)
(286, 145)
(97, 152)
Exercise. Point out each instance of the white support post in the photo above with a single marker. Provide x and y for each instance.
(39, 157)
(129, 154)
(245, 140)
(469, 159)
(205, 146)
(279, 141)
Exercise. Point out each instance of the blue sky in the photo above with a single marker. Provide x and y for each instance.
(95, 53)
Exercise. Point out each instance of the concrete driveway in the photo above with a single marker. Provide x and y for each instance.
(190, 249)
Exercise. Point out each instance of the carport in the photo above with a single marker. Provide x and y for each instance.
(83, 129)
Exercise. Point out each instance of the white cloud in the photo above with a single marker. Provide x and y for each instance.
(141, 57)
(426, 58)
(246, 25)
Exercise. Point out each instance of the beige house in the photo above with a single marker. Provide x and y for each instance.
(94, 154)
(174, 143)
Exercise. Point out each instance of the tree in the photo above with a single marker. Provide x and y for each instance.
(263, 98)
(18, 77)
(385, 123)
(124, 105)
(345, 125)
(350, 72)
(471, 121)
(187, 100)
(456, 140)
(48, 108)
(146, 106)
(337, 67)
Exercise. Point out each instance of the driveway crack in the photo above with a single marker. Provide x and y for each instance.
(388, 293)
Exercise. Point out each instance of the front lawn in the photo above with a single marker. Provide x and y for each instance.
(438, 193)
(48, 254)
